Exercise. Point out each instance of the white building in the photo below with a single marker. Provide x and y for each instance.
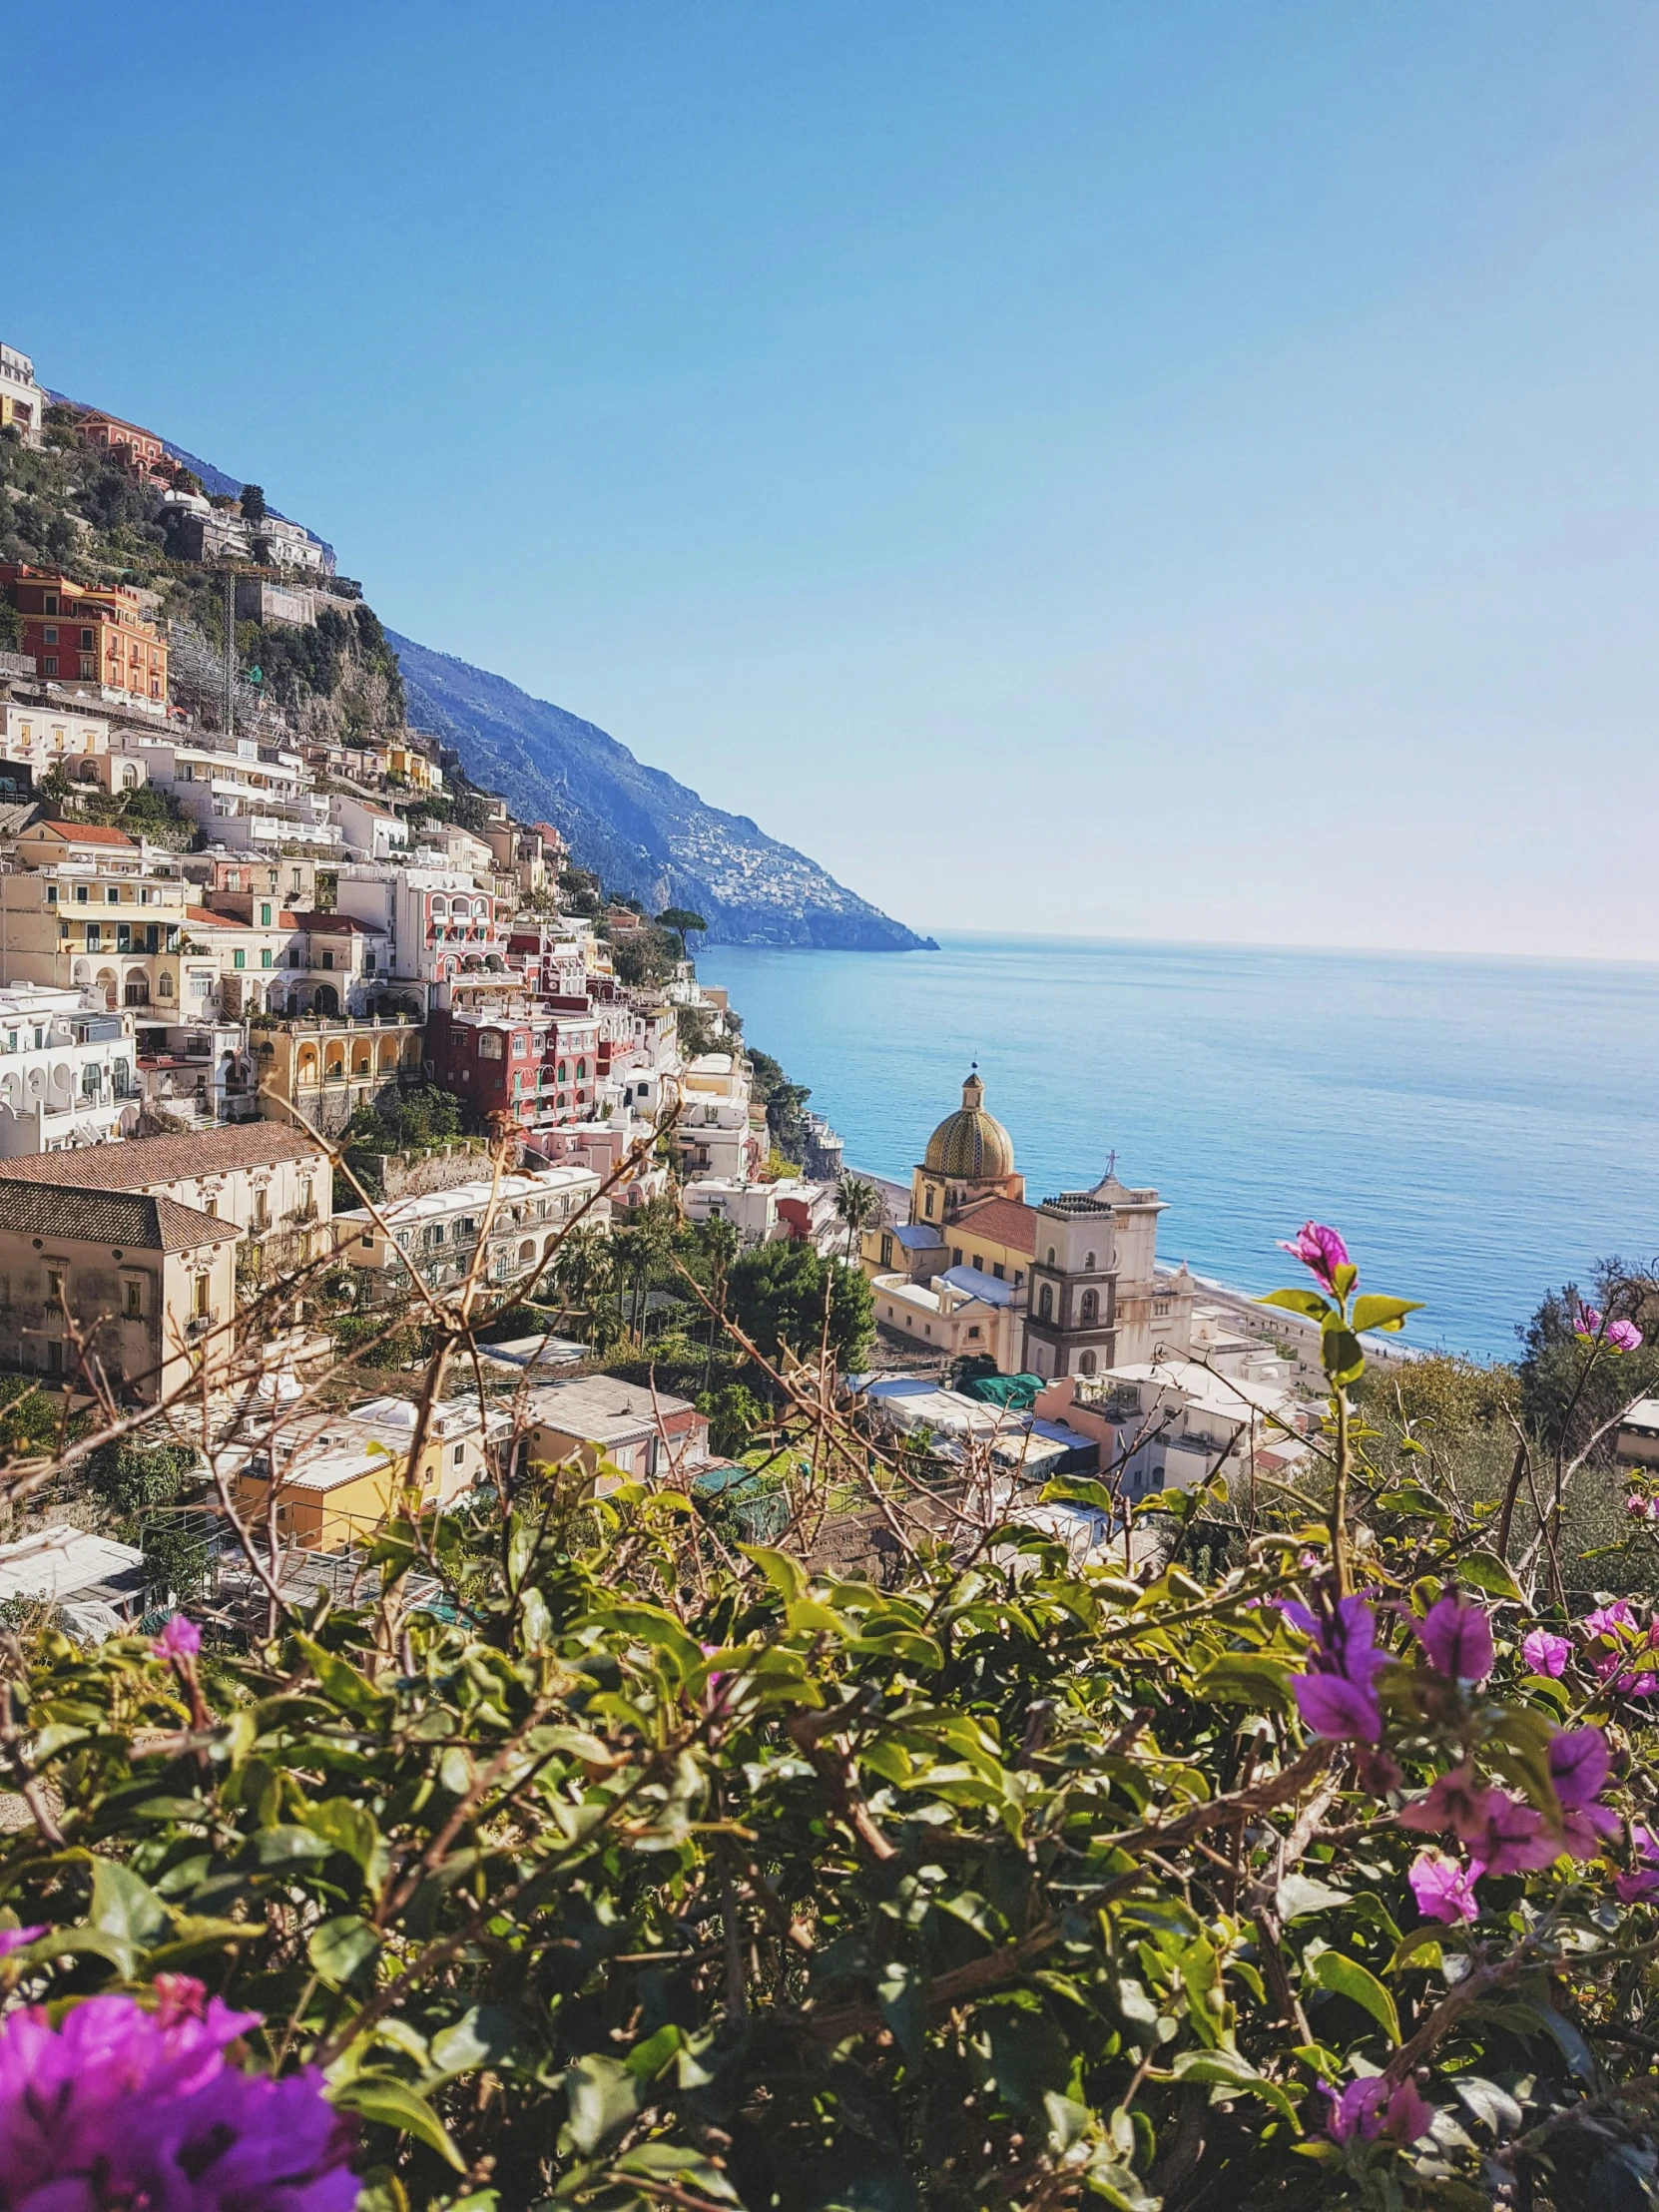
(22, 402)
(750, 1207)
(438, 926)
(963, 1313)
(371, 831)
(53, 735)
(67, 1070)
(245, 795)
(518, 1219)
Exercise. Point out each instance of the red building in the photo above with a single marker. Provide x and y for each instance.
(141, 447)
(537, 1068)
(78, 633)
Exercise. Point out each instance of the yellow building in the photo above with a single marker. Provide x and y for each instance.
(339, 1476)
(405, 765)
(328, 1066)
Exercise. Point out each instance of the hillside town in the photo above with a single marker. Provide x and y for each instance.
(307, 1038)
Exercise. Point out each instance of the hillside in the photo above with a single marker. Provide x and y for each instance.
(636, 827)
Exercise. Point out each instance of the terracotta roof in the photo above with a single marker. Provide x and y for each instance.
(1002, 1220)
(149, 1162)
(335, 925)
(88, 833)
(120, 1218)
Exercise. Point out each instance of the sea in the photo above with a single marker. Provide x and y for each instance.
(1480, 1130)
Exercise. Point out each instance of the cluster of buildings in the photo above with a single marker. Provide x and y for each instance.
(1120, 1364)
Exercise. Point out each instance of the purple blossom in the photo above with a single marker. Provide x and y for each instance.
(1627, 1661)
(1319, 1249)
(1643, 1882)
(1589, 1323)
(1456, 1800)
(1607, 1620)
(1578, 1766)
(120, 2107)
(1513, 1839)
(1623, 1336)
(14, 1938)
(1336, 1697)
(1370, 2108)
(1458, 1638)
(1339, 1709)
(1444, 1891)
(180, 1639)
(1546, 1653)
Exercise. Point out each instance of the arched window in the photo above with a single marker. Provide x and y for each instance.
(1051, 1255)
(581, 1072)
(1091, 1308)
(929, 1206)
(564, 1071)
(441, 906)
(1085, 1364)
(1088, 1262)
(1045, 1303)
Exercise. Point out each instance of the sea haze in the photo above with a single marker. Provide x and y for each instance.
(1480, 1130)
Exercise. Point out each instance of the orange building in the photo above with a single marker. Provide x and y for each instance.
(85, 634)
(141, 447)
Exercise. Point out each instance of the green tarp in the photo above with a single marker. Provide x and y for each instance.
(1015, 1393)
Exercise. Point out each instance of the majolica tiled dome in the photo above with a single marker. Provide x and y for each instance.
(972, 1145)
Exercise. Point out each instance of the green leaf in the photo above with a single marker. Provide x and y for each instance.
(1297, 1302)
(1246, 1678)
(1226, 2069)
(1300, 1893)
(478, 2038)
(603, 2097)
(341, 1683)
(391, 2103)
(349, 1827)
(1342, 1354)
(288, 1846)
(1348, 1979)
(1383, 1313)
(340, 1949)
(669, 2162)
(787, 1576)
(125, 1911)
(904, 1998)
(1491, 1575)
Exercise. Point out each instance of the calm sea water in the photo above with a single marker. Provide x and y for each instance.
(1479, 1130)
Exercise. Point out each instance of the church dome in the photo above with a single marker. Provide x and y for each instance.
(972, 1145)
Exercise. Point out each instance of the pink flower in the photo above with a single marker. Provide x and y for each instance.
(117, 2105)
(1607, 1619)
(1589, 1323)
(180, 1639)
(1578, 1764)
(1630, 1889)
(14, 1938)
(1321, 1251)
(1623, 1336)
(1513, 1839)
(1456, 1801)
(1339, 1709)
(1444, 1891)
(1458, 1638)
(1545, 1653)
(1369, 2108)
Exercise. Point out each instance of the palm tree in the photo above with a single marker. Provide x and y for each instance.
(581, 1270)
(720, 1245)
(858, 1205)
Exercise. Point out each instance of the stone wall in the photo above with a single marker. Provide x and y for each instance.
(414, 1174)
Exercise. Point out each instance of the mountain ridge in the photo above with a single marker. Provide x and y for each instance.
(642, 831)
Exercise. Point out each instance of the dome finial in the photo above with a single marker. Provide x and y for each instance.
(973, 1090)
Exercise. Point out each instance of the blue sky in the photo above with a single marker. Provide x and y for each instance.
(1155, 469)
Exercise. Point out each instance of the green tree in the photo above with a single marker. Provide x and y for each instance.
(28, 1417)
(680, 920)
(776, 1298)
(128, 1477)
(253, 503)
(735, 1414)
(858, 1207)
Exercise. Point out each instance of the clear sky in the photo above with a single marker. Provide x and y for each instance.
(1159, 469)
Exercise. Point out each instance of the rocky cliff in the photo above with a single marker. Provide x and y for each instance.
(643, 833)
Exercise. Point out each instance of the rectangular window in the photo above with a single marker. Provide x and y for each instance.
(81, 894)
(265, 916)
(95, 936)
(54, 1284)
(51, 632)
(328, 959)
(460, 1456)
(135, 1299)
(266, 957)
(240, 958)
(112, 894)
(199, 1298)
(49, 667)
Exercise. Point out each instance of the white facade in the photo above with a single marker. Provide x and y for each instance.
(245, 795)
(371, 831)
(67, 1070)
(21, 399)
(439, 1234)
(750, 1207)
(438, 926)
(44, 737)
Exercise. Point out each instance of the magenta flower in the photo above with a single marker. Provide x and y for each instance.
(1607, 1620)
(1589, 1323)
(1643, 1882)
(1456, 1800)
(1321, 1251)
(1578, 1766)
(1336, 1697)
(14, 1938)
(1444, 1891)
(1370, 2108)
(1623, 1336)
(1458, 1638)
(1513, 1839)
(1545, 1653)
(180, 1639)
(147, 2103)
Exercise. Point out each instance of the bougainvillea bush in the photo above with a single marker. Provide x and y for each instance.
(631, 1872)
